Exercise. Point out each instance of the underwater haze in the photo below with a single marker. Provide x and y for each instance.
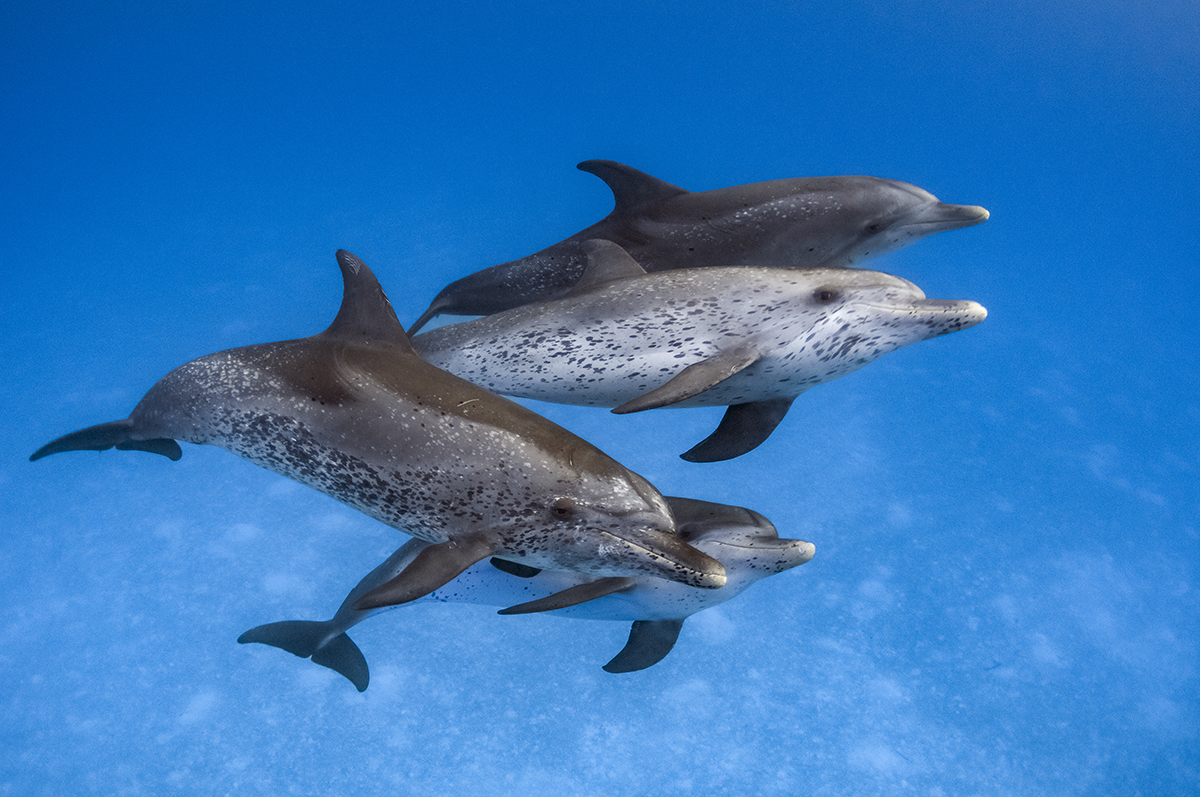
(1005, 596)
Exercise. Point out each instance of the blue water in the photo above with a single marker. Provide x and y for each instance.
(1004, 599)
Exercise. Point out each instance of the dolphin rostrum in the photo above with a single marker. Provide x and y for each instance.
(741, 539)
(355, 413)
(752, 339)
(803, 222)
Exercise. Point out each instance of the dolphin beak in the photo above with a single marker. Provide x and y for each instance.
(949, 315)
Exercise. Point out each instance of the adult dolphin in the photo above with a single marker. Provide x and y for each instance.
(741, 539)
(803, 222)
(355, 413)
(751, 339)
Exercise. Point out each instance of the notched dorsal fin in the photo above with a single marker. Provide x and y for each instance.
(629, 186)
(573, 596)
(744, 428)
(649, 643)
(606, 261)
(693, 380)
(114, 434)
(366, 316)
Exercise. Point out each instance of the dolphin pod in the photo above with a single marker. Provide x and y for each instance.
(751, 339)
(355, 413)
(743, 540)
(804, 222)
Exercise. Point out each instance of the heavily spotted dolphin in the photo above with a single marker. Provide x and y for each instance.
(804, 222)
(355, 413)
(741, 539)
(752, 339)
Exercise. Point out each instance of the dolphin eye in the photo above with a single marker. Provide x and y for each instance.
(825, 295)
(562, 509)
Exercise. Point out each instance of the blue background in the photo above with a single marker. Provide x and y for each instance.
(1004, 598)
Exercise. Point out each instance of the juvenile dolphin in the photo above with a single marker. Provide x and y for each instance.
(803, 222)
(752, 339)
(741, 539)
(355, 413)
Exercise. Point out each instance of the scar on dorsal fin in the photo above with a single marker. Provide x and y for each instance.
(515, 568)
(649, 643)
(573, 596)
(693, 380)
(630, 187)
(114, 434)
(366, 316)
(744, 428)
(606, 261)
(433, 567)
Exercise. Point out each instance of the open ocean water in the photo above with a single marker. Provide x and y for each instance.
(1005, 595)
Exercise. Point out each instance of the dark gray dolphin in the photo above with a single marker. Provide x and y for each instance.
(355, 413)
(752, 339)
(803, 222)
(741, 539)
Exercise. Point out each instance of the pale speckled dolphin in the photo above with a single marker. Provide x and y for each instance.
(741, 539)
(355, 413)
(803, 222)
(752, 339)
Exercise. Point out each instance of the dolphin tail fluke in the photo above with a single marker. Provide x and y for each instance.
(307, 639)
(744, 428)
(573, 596)
(649, 643)
(115, 434)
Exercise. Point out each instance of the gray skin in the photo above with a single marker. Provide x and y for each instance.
(355, 413)
(741, 539)
(752, 339)
(803, 222)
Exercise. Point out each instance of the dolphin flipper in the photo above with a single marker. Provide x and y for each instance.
(433, 567)
(694, 380)
(307, 639)
(115, 434)
(573, 596)
(744, 428)
(606, 261)
(514, 568)
(649, 642)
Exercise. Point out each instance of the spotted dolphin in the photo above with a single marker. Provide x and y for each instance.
(752, 339)
(741, 539)
(355, 413)
(803, 222)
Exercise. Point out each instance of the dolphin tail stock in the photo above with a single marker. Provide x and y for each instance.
(115, 434)
(649, 643)
(573, 596)
(693, 380)
(310, 639)
(743, 428)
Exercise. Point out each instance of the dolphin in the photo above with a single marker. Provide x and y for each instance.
(741, 539)
(803, 222)
(749, 338)
(355, 413)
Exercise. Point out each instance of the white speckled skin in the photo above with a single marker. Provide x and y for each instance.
(743, 540)
(355, 413)
(616, 341)
(803, 222)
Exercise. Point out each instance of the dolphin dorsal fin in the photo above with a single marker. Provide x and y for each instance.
(629, 186)
(606, 261)
(366, 316)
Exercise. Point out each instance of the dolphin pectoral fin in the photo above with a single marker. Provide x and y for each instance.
(744, 428)
(649, 643)
(630, 187)
(573, 596)
(693, 380)
(606, 261)
(115, 434)
(433, 567)
(307, 639)
(515, 568)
